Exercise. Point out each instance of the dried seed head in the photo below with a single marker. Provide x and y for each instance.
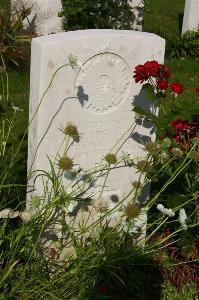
(177, 152)
(25, 216)
(195, 155)
(71, 130)
(65, 163)
(143, 166)
(152, 148)
(111, 158)
(132, 210)
(100, 205)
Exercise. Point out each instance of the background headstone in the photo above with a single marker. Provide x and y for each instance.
(191, 16)
(98, 98)
(43, 18)
(138, 13)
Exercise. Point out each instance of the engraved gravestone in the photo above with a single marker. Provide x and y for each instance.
(97, 97)
(43, 18)
(191, 16)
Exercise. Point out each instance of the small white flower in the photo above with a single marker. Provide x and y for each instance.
(25, 216)
(73, 61)
(72, 205)
(126, 157)
(165, 211)
(8, 213)
(182, 218)
(16, 108)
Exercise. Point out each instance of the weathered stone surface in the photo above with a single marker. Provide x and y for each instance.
(191, 16)
(43, 18)
(98, 98)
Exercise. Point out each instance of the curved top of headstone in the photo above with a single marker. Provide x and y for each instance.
(94, 32)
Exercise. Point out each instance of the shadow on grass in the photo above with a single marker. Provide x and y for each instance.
(129, 274)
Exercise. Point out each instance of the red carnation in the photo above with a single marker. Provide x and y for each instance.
(177, 88)
(162, 84)
(197, 91)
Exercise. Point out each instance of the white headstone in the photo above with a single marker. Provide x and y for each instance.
(138, 13)
(98, 98)
(191, 16)
(43, 18)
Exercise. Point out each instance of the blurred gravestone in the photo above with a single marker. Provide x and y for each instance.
(191, 16)
(137, 8)
(43, 18)
(98, 98)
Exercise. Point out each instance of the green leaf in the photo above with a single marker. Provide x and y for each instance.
(166, 143)
(169, 170)
(149, 90)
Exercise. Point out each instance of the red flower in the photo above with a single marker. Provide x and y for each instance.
(178, 138)
(152, 67)
(184, 129)
(141, 74)
(162, 84)
(177, 88)
(164, 72)
(180, 125)
(197, 91)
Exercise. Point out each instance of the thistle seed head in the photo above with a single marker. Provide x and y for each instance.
(111, 158)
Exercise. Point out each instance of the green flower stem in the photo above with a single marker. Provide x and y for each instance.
(4, 173)
(173, 177)
(104, 184)
(7, 78)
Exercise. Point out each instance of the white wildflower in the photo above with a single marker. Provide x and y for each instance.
(8, 213)
(72, 205)
(182, 218)
(126, 157)
(25, 216)
(16, 108)
(73, 61)
(165, 211)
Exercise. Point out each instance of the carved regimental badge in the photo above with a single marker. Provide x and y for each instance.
(103, 82)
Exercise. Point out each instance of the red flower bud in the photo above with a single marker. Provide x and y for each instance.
(177, 88)
(162, 84)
